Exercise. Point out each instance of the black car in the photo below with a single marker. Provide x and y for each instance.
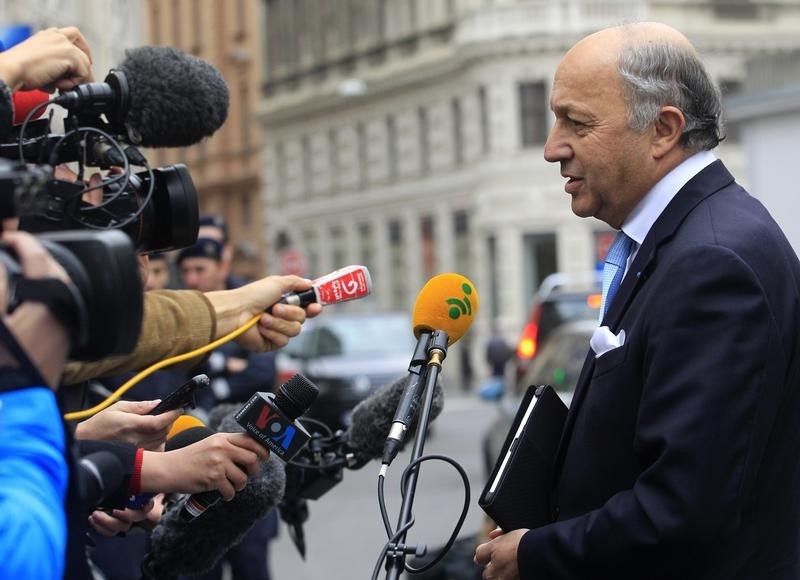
(348, 356)
(561, 298)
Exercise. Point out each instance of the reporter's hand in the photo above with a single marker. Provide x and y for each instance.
(56, 58)
(221, 462)
(118, 521)
(236, 307)
(44, 339)
(128, 421)
(498, 557)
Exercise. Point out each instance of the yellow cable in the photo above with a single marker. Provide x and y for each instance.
(113, 397)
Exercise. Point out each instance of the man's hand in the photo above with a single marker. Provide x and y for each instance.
(498, 556)
(128, 421)
(56, 58)
(236, 307)
(42, 337)
(221, 462)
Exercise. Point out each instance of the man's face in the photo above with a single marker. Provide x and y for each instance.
(203, 274)
(158, 275)
(607, 165)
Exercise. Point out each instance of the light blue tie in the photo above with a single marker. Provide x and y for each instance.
(614, 269)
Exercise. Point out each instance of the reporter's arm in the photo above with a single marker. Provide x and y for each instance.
(178, 321)
(174, 322)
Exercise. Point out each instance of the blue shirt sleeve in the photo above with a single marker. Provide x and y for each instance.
(33, 483)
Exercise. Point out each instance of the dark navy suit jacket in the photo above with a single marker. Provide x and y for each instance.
(680, 456)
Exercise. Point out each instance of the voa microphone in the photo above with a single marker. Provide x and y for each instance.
(180, 547)
(271, 419)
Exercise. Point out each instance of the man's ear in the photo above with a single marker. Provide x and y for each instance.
(667, 128)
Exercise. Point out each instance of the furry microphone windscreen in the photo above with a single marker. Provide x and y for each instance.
(372, 418)
(176, 99)
(191, 548)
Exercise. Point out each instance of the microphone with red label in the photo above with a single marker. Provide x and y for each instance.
(341, 285)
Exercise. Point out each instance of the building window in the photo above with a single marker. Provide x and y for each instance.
(397, 263)
(333, 159)
(338, 251)
(730, 88)
(244, 115)
(424, 140)
(280, 173)
(363, 159)
(311, 242)
(735, 9)
(177, 21)
(483, 105)
(458, 136)
(391, 147)
(305, 147)
(427, 246)
(367, 247)
(533, 113)
(461, 240)
(241, 19)
(539, 254)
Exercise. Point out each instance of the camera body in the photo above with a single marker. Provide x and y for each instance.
(157, 208)
(106, 298)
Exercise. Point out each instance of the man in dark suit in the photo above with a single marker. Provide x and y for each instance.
(680, 457)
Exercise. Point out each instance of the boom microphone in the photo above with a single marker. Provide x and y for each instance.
(163, 96)
(448, 303)
(179, 547)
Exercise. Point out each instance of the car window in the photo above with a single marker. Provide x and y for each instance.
(565, 308)
(362, 336)
(560, 362)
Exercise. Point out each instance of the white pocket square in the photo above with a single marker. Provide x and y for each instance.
(603, 340)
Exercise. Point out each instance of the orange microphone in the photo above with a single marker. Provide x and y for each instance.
(447, 302)
(183, 423)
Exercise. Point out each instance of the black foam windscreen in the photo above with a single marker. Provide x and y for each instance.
(372, 418)
(191, 548)
(176, 99)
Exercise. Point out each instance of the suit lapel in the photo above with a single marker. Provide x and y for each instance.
(708, 181)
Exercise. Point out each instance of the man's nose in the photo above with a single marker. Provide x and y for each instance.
(556, 147)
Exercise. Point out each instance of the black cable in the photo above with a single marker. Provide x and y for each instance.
(25, 122)
(403, 478)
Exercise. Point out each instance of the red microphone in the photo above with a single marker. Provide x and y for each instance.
(26, 101)
(341, 285)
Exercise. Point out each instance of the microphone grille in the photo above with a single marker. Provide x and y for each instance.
(295, 396)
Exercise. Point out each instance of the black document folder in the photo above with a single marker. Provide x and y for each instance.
(517, 494)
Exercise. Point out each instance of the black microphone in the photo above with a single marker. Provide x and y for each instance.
(159, 95)
(99, 475)
(271, 418)
(191, 548)
(272, 421)
(372, 418)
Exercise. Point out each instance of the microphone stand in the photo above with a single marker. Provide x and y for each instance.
(396, 552)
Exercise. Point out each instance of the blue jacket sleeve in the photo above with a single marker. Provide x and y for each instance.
(33, 483)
